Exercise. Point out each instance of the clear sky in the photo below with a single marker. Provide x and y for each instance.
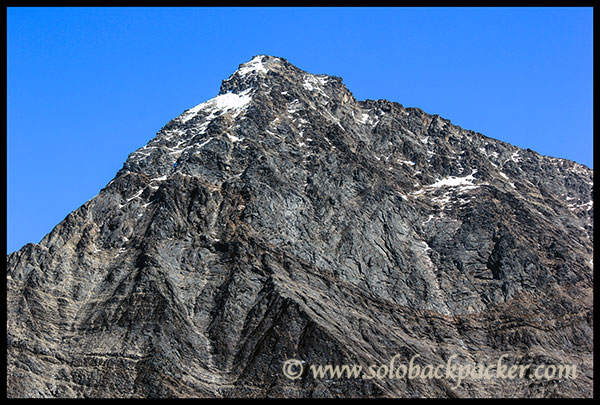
(88, 86)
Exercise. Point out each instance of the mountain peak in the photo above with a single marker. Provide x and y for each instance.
(271, 71)
(284, 219)
(253, 72)
(260, 64)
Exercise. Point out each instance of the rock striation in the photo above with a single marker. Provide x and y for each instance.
(284, 219)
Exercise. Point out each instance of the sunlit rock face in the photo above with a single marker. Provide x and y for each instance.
(284, 219)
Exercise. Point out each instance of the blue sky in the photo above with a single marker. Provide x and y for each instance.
(88, 86)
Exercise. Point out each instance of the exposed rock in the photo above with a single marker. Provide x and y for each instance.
(286, 219)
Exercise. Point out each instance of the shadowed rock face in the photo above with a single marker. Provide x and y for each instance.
(286, 219)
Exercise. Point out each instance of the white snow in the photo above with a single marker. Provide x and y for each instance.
(428, 219)
(233, 138)
(455, 181)
(335, 120)
(462, 183)
(313, 83)
(308, 83)
(294, 106)
(507, 178)
(255, 65)
(323, 79)
(575, 207)
(229, 101)
(442, 200)
(220, 104)
(139, 193)
(365, 118)
(205, 142)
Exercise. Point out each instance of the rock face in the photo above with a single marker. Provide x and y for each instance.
(284, 219)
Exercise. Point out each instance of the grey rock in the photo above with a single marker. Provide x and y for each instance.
(286, 219)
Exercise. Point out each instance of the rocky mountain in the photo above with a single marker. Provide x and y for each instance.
(284, 219)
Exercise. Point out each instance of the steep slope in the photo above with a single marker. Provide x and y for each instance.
(286, 219)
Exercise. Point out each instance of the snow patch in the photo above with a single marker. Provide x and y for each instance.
(205, 142)
(294, 106)
(136, 195)
(455, 181)
(428, 220)
(219, 105)
(255, 65)
(323, 79)
(233, 138)
(313, 83)
(461, 183)
(515, 157)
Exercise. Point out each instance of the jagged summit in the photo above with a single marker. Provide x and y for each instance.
(262, 64)
(284, 219)
(265, 70)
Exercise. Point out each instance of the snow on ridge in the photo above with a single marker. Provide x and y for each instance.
(309, 84)
(314, 83)
(323, 79)
(255, 65)
(220, 104)
(230, 101)
(515, 156)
